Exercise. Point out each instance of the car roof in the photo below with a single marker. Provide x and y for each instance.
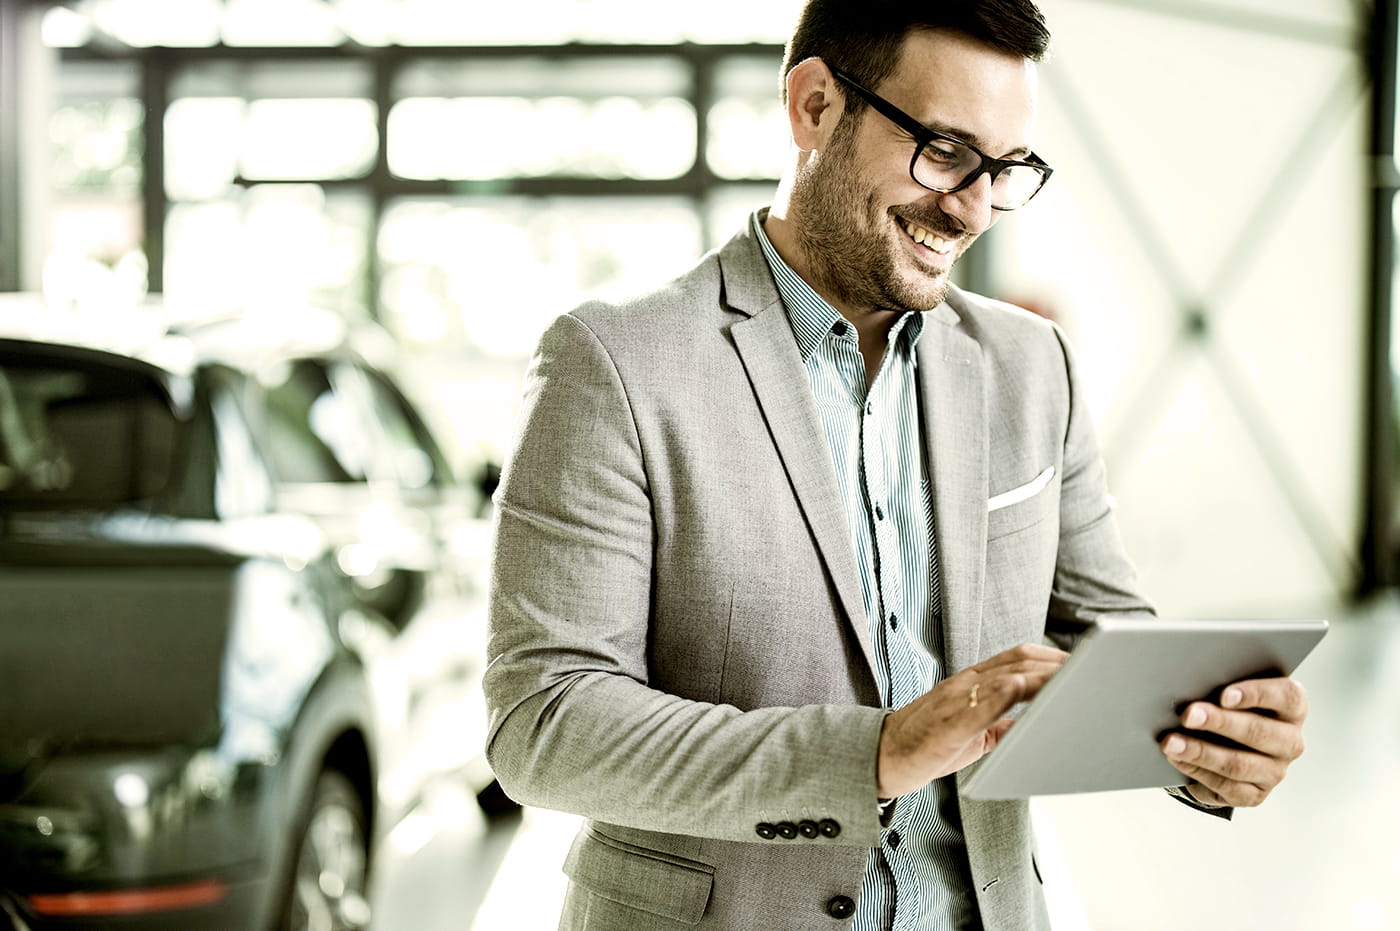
(177, 342)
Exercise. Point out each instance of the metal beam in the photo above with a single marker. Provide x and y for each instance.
(1379, 543)
(10, 14)
(689, 51)
(155, 99)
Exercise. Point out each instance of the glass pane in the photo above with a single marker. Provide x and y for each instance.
(269, 246)
(242, 486)
(727, 210)
(201, 146)
(96, 145)
(455, 269)
(311, 433)
(80, 436)
(143, 23)
(649, 77)
(412, 458)
(93, 235)
(504, 137)
(295, 120)
(309, 139)
(424, 22)
(95, 261)
(748, 126)
(747, 139)
(432, 22)
(274, 79)
(532, 117)
(281, 22)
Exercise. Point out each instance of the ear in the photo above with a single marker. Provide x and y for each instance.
(815, 103)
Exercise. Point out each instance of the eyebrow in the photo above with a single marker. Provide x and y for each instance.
(944, 129)
(972, 139)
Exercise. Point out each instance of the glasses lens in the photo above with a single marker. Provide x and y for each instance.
(944, 164)
(1015, 185)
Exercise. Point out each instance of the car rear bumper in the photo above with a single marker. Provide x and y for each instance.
(214, 902)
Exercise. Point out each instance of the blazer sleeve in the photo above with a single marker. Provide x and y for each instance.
(1093, 574)
(574, 725)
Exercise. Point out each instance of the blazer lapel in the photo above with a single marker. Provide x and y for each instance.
(955, 435)
(769, 353)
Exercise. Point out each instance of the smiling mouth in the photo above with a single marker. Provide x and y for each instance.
(929, 240)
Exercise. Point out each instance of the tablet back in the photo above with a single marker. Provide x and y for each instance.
(1095, 726)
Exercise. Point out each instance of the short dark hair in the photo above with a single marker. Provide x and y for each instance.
(864, 37)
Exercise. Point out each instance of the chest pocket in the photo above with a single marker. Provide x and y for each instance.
(1023, 506)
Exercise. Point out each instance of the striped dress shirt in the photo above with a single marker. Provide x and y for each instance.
(918, 878)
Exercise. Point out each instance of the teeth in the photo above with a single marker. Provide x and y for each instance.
(924, 237)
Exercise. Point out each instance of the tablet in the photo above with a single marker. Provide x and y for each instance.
(1095, 725)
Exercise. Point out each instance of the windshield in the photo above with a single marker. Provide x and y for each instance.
(74, 434)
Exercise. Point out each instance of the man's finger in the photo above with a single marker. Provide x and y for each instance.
(1022, 653)
(1281, 696)
(1204, 794)
(1212, 788)
(1275, 737)
(1217, 766)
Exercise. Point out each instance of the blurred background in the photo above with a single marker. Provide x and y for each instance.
(1218, 240)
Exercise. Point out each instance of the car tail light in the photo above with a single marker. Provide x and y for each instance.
(128, 901)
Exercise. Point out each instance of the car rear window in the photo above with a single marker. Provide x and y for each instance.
(78, 435)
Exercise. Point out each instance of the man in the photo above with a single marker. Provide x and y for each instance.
(781, 542)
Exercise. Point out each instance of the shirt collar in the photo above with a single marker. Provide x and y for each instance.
(813, 319)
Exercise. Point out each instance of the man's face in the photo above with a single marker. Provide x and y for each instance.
(858, 210)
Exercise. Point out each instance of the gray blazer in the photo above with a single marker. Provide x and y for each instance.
(678, 647)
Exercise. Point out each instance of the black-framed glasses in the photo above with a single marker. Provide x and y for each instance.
(946, 164)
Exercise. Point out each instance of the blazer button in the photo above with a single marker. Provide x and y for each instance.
(841, 907)
(765, 830)
(829, 828)
(787, 829)
(808, 829)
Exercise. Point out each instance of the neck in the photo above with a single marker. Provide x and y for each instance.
(872, 324)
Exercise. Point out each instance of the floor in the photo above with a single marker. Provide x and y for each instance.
(1322, 853)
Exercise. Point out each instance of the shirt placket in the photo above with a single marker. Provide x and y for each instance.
(904, 671)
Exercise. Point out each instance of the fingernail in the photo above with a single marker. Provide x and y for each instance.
(1175, 746)
(1196, 716)
(1230, 698)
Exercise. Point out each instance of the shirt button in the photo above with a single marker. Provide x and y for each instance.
(869, 407)
(879, 512)
(894, 840)
(841, 907)
(839, 328)
(894, 622)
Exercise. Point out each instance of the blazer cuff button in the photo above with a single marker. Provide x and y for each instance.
(765, 830)
(829, 828)
(787, 829)
(808, 829)
(841, 907)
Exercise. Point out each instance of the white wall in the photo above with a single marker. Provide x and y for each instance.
(1183, 180)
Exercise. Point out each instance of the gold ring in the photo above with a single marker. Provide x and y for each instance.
(972, 696)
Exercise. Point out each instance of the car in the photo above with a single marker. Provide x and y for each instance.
(233, 557)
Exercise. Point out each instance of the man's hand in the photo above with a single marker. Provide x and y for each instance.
(1265, 716)
(960, 719)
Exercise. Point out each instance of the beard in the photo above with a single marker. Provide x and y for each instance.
(846, 237)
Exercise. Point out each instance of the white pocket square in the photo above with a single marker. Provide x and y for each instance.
(1016, 495)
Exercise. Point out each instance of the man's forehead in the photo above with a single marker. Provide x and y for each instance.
(955, 84)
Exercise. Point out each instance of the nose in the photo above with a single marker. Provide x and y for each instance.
(972, 206)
